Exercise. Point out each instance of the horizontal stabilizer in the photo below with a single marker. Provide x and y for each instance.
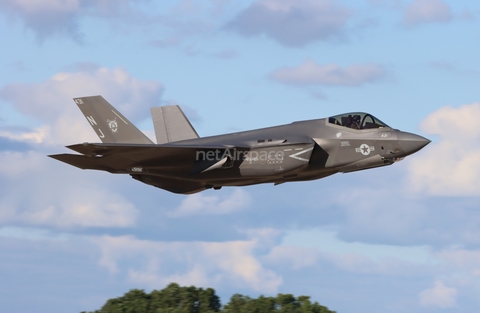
(80, 161)
(171, 124)
(104, 149)
(118, 158)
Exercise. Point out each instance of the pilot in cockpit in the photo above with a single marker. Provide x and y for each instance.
(351, 121)
(358, 121)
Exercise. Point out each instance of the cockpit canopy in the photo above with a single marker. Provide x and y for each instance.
(357, 120)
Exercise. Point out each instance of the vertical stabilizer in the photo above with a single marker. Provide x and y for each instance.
(109, 124)
(171, 124)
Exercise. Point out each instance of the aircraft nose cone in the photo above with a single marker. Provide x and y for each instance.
(411, 143)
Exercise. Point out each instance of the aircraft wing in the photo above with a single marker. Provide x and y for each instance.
(189, 159)
(127, 158)
(136, 152)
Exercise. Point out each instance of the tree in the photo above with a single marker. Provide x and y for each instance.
(283, 303)
(172, 299)
(177, 299)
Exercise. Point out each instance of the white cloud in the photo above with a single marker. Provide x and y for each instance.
(200, 204)
(439, 296)
(51, 17)
(449, 167)
(311, 73)
(467, 260)
(413, 219)
(51, 101)
(296, 257)
(94, 211)
(36, 191)
(203, 263)
(15, 164)
(88, 213)
(45, 17)
(237, 259)
(264, 237)
(427, 11)
(450, 122)
(36, 136)
(292, 23)
(196, 277)
(173, 22)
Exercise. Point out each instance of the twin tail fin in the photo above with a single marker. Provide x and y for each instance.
(109, 124)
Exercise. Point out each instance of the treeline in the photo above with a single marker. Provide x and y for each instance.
(177, 299)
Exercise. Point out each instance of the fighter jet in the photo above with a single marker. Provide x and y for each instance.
(182, 162)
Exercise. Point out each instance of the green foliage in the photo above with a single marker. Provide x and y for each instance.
(176, 299)
(172, 299)
(283, 303)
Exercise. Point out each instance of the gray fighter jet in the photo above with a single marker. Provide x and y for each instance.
(182, 162)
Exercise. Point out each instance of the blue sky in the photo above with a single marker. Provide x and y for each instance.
(395, 239)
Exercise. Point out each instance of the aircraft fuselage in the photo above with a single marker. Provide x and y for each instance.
(184, 163)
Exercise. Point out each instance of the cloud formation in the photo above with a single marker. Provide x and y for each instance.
(199, 204)
(467, 260)
(51, 17)
(292, 23)
(427, 11)
(449, 167)
(37, 136)
(51, 101)
(311, 73)
(46, 17)
(439, 296)
(54, 197)
(158, 263)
